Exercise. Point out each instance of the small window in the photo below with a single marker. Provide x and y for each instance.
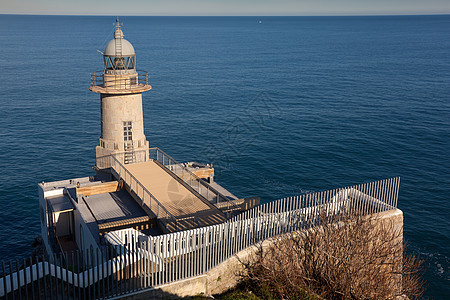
(127, 131)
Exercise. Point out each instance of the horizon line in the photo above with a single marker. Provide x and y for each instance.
(212, 15)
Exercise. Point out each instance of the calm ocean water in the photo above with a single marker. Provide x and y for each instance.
(281, 107)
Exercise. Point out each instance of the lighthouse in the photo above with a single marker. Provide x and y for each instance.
(120, 87)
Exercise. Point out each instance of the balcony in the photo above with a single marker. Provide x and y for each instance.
(119, 83)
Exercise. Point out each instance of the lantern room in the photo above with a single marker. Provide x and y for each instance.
(119, 56)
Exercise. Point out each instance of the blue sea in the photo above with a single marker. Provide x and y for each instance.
(280, 105)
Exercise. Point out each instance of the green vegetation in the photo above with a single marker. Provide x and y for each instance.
(245, 291)
(240, 294)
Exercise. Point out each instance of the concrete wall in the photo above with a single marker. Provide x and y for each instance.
(226, 275)
(44, 217)
(83, 235)
(63, 223)
(116, 109)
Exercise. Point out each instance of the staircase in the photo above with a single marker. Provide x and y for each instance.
(118, 47)
(130, 155)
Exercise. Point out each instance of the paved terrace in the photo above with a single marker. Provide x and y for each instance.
(180, 200)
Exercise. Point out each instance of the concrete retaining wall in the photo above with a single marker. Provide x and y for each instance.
(226, 275)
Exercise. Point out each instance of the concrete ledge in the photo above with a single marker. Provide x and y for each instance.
(111, 90)
(175, 290)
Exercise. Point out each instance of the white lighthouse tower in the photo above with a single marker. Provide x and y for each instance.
(120, 87)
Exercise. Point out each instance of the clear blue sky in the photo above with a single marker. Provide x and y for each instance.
(224, 7)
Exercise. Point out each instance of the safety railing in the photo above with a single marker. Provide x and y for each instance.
(120, 81)
(147, 199)
(196, 183)
(199, 185)
(133, 262)
(168, 220)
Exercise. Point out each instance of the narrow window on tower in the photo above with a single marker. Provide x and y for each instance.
(127, 131)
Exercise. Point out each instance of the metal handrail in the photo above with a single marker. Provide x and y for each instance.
(143, 189)
(230, 209)
(121, 81)
(209, 187)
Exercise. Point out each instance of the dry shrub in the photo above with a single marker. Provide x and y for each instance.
(359, 258)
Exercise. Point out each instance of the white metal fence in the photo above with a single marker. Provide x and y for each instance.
(133, 261)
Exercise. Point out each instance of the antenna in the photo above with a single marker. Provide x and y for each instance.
(118, 36)
(117, 23)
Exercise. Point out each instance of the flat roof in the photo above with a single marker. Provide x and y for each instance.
(222, 190)
(114, 206)
(67, 183)
(60, 203)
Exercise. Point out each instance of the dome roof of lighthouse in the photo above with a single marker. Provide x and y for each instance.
(127, 48)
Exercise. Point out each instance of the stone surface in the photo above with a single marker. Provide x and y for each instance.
(183, 288)
(115, 110)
